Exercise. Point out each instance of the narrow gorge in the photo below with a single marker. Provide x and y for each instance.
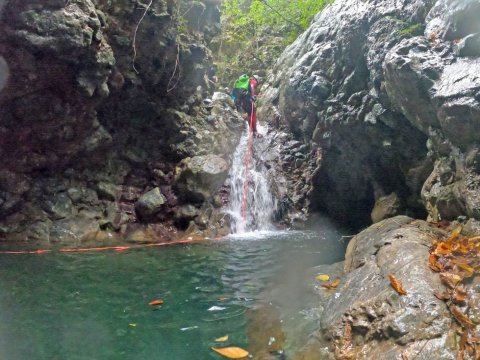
(117, 133)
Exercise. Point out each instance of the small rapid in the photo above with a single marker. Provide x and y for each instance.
(261, 204)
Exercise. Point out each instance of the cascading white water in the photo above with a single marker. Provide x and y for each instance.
(260, 202)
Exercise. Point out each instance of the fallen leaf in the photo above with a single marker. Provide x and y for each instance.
(441, 296)
(432, 262)
(332, 285)
(461, 249)
(443, 249)
(461, 317)
(475, 339)
(459, 294)
(450, 280)
(466, 267)
(322, 277)
(462, 344)
(223, 338)
(132, 325)
(232, 352)
(156, 302)
(455, 233)
(397, 285)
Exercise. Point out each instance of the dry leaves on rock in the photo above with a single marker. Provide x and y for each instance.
(457, 259)
(332, 285)
(397, 285)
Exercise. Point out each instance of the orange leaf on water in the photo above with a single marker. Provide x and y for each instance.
(156, 302)
(332, 285)
(397, 285)
(232, 352)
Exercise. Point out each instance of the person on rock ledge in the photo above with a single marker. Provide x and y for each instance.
(243, 95)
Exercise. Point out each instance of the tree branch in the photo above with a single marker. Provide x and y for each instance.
(283, 17)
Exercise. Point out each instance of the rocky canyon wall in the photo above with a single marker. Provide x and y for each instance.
(385, 96)
(104, 104)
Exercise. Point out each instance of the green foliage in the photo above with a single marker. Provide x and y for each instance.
(407, 29)
(255, 32)
(249, 18)
(182, 25)
(412, 30)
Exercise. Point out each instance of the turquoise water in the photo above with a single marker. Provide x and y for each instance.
(81, 306)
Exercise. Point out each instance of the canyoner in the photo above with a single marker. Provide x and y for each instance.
(243, 94)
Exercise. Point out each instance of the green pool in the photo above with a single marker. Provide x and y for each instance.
(81, 306)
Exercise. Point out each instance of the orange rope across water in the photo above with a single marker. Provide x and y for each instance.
(103, 248)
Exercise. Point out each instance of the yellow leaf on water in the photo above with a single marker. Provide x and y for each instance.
(223, 338)
(132, 325)
(232, 352)
(322, 277)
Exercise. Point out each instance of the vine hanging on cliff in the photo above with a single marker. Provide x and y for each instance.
(177, 65)
(135, 36)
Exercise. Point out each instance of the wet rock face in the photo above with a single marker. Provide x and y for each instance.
(86, 128)
(199, 177)
(365, 87)
(445, 106)
(385, 324)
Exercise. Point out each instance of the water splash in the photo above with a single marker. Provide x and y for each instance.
(260, 202)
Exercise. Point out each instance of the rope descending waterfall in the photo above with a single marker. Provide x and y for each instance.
(247, 161)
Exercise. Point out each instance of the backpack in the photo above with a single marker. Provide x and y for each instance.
(242, 83)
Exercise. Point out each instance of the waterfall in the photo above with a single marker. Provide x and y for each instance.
(260, 202)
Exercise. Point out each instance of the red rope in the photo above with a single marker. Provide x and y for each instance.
(247, 161)
(103, 248)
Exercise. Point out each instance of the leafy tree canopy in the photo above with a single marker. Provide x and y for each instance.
(248, 18)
